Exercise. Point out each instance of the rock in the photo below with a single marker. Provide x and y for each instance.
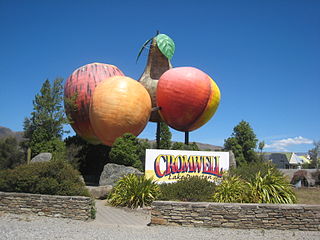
(113, 172)
(42, 157)
(99, 192)
(232, 160)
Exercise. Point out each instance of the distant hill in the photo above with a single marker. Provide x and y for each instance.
(7, 132)
(205, 146)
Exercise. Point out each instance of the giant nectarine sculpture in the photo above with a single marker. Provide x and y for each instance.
(187, 98)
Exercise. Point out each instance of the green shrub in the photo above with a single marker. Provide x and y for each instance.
(248, 171)
(55, 177)
(134, 191)
(126, 151)
(192, 189)
(93, 210)
(231, 190)
(168, 191)
(270, 188)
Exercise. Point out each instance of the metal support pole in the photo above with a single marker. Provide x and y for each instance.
(186, 138)
(158, 135)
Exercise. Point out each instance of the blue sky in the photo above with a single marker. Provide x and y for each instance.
(263, 54)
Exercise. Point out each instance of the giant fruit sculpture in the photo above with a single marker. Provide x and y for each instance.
(103, 104)
(187, 98)
(161, 50)
(78, 91)
(120, 105)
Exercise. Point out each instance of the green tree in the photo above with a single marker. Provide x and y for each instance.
(242, 142)
(315, 155)
(177, 146)
(181, 146)
(89, 159)
(165, 136)
(125, 151)
(142, 146)
(72, 154)
(261, 147)
(44, 129)
(11, 154)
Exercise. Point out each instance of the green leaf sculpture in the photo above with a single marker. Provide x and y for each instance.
(166, 45)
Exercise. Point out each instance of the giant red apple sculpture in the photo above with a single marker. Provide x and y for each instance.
(78, 91)
(187, 98)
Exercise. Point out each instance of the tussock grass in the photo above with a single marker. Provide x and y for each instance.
(309, 195)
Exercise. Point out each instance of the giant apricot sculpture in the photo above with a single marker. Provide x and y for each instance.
(120, 105)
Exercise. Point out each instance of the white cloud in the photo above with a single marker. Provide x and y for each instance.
(282, 144)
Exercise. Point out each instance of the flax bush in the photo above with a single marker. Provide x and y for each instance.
(270, 188)
(231, 190)
(134, 191)
(262, 188)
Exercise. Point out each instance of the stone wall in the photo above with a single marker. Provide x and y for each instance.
(236, 215)
(75, 207)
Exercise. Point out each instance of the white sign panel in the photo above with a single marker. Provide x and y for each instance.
(170, 165)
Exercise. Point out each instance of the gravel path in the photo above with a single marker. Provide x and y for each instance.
(120, 216)
(24, 227)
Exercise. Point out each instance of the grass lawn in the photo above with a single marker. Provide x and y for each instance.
(308, 195)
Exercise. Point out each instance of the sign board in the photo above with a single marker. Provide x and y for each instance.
(166, 166)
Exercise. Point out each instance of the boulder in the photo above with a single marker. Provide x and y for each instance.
(42, 157)
(99, 192)
(113, 172)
